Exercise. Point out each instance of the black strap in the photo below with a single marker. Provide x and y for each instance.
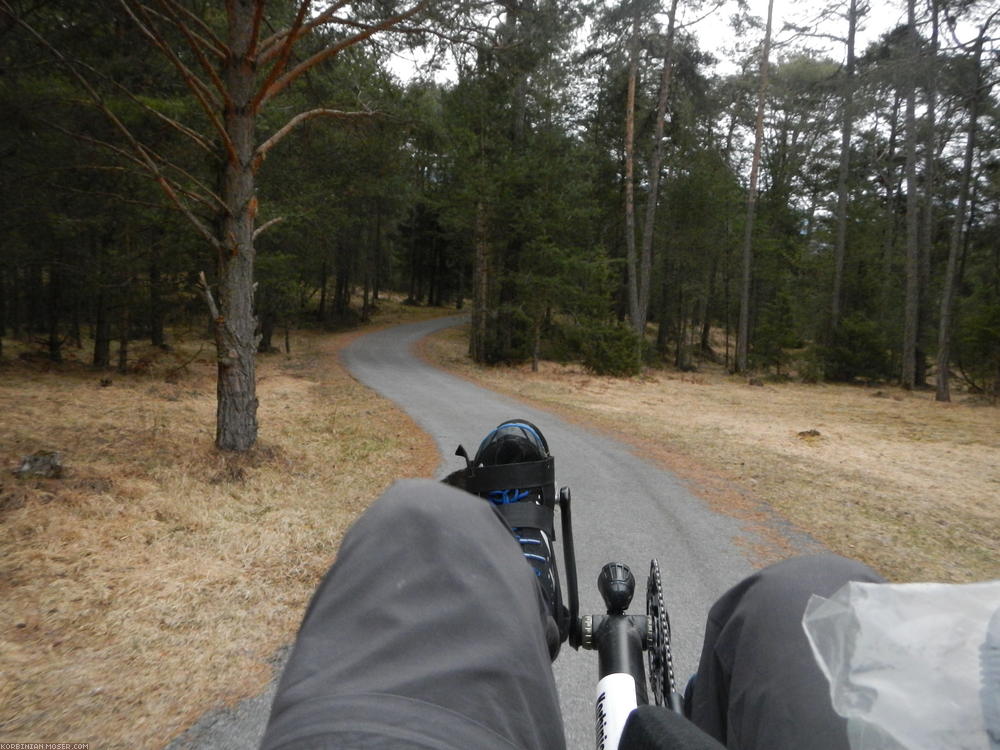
(528, 516)
(521, 476)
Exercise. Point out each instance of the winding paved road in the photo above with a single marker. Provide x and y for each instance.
(624, 508)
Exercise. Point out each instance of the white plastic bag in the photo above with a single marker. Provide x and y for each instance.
(910, 665)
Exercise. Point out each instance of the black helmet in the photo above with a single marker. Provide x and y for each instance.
(514, 441)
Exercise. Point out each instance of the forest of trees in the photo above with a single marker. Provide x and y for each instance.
(585, 182)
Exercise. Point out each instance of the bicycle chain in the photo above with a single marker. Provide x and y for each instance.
(661, 663)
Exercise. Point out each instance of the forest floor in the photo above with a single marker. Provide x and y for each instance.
(890, 477)
(158, 577)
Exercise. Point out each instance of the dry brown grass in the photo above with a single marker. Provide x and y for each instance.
(893, 478)
(157, 578)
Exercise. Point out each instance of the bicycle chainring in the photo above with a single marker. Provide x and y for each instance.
(661, 665)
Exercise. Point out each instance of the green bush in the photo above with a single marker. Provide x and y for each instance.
(611, 350)
(976, 344)
(856, 350)
(810, 366)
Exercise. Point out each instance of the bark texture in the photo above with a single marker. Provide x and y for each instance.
(950, 279)
(911, 309)
(743, 334)
(638, 321)
(655, 165)
(235, 327)
(847, 127)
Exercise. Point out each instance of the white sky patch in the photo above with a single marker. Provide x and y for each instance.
(409, 65)
(716, 35)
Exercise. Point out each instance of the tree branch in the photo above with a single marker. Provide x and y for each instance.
(278, 86)
(201, 92)
(266, 225)
(406, 30)
(695, 22)
(176, 124)
(261, 153)
(269, 48)
(192, 41)
(206, 290)
(220, 47)
(147, 29)
(258, 17)
(283, 54)
(147, 162)
(197, 41)
(107, 194)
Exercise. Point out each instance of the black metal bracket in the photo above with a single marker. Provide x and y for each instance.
(569, 558)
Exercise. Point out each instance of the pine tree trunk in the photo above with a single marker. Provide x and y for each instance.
(35, 300)
(630, 249)
(16, 302)
(536, 344)
(123, 331)
(889, 238)
(743, 335)
(52, 310)
(74, 323)
(235, 329)
(927, 217)
(646, 255)
(156, 308)
(480, 286)
(840, 248)
(3, 307)
(267, 323)
(705, 340)
(948, 293)
(324, 282)
(912, 303)
(102, 331)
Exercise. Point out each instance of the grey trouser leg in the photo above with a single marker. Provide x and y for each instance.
(428, 631)
(758, 686)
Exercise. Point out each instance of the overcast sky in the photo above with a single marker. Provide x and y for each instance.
(716, 36)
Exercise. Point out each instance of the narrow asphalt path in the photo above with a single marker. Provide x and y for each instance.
(624, 508)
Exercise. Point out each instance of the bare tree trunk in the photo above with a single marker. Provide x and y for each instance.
(948, 293)
(34, 300)
(912, 304)
(705, 341)
(743, 336)
(3, 307)
(536, 344)
(235, 328)
(840, 248)
(646, 256)
(124, 324)
(889, 239)
(52, 311)
(16, 302)
(480, 286)
(324, 282)
(630, 249)
(156, 311)
(102, 329)
(927, 231)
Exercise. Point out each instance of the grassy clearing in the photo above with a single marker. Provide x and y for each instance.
(158, 576)
(893, 478)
